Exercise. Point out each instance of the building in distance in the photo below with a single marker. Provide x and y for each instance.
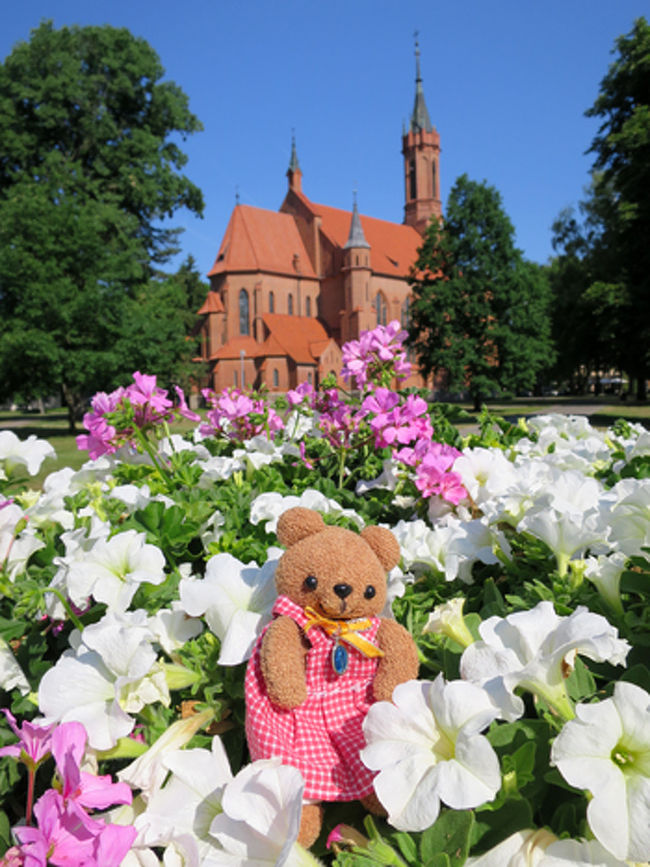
(288, 288)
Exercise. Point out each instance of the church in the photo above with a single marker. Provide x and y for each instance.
(288, 288)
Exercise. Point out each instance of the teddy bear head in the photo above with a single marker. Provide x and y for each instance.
(338, 573)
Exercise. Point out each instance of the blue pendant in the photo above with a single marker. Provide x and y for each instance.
(339, 658)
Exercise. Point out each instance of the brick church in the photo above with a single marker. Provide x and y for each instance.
(288, 288)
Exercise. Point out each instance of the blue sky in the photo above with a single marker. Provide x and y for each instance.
(506, 83)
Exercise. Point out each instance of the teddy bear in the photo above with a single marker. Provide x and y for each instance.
(325, 658)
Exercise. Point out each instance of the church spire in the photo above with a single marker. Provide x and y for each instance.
(356, 238)
(294, 172)
(420, 119)
(421, 149)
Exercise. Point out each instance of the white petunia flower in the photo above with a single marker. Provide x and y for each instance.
(11, 674)
(606, 751)
(605, 574)
(521, 849)
(148, 771)
(447, 619)
(172, 627)
(270, 505)
(205, 817)
(541, 848)
(17, 539)
(111, 672)
(113, 569)
(78, 543)
(535, 650)
(29, 453)
(629, 517)
(261, 815)
(236, 600)
(451, 547)
(426, 746)
(485, 473)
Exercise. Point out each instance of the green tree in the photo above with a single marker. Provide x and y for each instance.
(589, 298)
(479, 312)
(622, 151)
(89, 171)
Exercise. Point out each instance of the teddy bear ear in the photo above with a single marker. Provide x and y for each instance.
(298, 523)
(384, 544)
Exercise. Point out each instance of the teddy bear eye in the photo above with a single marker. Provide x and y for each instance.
(369, 591)
(311, 582)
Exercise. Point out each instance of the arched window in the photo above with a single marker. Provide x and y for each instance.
(434, 179)
(380, 308)
(308, 306)
(276, 378)
(406, 313)
(271, 302)
(235, 380)
(309, 378)
(290, 304)
(412, 185)
(244, 313)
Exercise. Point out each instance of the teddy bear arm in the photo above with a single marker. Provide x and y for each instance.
(400, 662)
(282, 660)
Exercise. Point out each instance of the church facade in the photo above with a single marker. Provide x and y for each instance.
(288, 288)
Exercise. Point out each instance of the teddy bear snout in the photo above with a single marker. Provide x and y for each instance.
(343, 590)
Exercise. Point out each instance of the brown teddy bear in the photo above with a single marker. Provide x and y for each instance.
(325, 658)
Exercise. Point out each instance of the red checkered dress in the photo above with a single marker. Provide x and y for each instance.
(323, 736)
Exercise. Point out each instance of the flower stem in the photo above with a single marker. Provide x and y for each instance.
(62, 599)
(31, 776)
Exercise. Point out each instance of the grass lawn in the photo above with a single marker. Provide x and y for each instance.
(601, 411)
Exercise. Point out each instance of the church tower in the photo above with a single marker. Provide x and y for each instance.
(356, 280)
(421, 149)
(293, 172)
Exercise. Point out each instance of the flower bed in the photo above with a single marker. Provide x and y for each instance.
(135, 588)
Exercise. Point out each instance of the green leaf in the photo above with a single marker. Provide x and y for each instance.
(450, 836)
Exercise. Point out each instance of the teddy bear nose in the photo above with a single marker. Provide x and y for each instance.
(342, 590)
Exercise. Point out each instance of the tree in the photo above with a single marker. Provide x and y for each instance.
(589, 297)
(88, 172)
(622, 151)
(479, 311)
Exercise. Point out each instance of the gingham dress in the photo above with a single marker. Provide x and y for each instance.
(323, 736)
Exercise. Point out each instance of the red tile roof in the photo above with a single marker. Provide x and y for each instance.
(233, 347)
(393, 246)
(260, 240)
(300, 337)
(212, 304)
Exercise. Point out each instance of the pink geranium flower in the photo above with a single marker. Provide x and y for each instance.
(93, 792)
(34, 741)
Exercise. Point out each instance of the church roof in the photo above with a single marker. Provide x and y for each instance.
(233, 348)
(393, 246)
(212, 304)
(261, 240)
(300, 337)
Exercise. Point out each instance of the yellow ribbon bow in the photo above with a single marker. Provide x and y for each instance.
(344, 630)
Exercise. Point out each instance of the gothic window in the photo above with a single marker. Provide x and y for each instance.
(244, 312)
(234, 379)
(290, 304)
(276, 378)
(380, 308)
(406, 313)
(412, 186)
(309, 378)
(308, 306)
(434, 180)
(271, 302)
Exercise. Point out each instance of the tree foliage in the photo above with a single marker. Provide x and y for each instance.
(622, 161)
(89, 170)
(479, 311)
